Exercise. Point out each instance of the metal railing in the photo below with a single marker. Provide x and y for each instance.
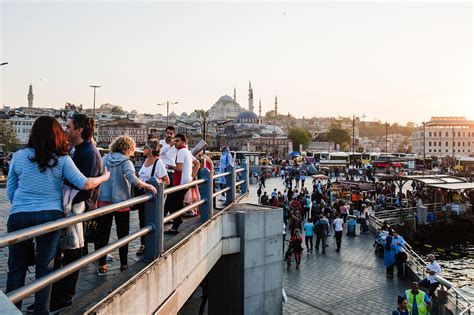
(394, 216)
(418, 265)
(154, 223)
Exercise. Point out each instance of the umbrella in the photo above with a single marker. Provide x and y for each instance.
(319, 176)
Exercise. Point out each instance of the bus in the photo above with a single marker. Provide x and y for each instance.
(336, 159)
(320, 156)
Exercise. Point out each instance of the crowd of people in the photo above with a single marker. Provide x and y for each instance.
(61, 173)
(314, 212)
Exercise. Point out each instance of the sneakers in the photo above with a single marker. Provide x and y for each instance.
(102, 270)
(123, 267)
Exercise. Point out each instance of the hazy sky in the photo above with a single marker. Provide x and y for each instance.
(400, 61)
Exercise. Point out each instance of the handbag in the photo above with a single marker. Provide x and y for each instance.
(140, 191)
(192, 196)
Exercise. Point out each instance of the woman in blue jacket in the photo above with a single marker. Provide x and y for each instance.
(389, 256)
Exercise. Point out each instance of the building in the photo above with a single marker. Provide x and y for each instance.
(110, 130)
(30, 96)
(444, 136)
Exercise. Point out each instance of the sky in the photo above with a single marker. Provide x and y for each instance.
(391, 61)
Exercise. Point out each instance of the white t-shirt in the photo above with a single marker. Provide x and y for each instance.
(145, 171)
(434, 266)
(168, 153)
(184, 156)
(338, 223)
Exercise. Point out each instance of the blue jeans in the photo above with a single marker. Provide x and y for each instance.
(46, 246)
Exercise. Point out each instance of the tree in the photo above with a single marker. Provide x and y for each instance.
(8, 138)
(299, 136)
(338, 135)
(117, 110)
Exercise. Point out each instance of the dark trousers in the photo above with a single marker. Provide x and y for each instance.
(321, 237)
(431, 286)
(389, 270)
(309, 242)
(174, 202)
(338, 239)
(400, 260)
(104, 224)
(18, 254)
(63, 291)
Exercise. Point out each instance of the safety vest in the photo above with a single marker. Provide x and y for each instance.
(420, 302)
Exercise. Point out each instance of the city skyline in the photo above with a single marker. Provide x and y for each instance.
(388, 61)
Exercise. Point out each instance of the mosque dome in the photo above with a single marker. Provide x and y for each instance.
(247, 117)
(225, 99)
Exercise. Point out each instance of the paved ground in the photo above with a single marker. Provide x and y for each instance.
(350, 282)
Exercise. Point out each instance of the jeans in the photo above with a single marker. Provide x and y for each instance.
(46, 246)
(174, 202)
(321, 237)
(122, 222)
(309, 242)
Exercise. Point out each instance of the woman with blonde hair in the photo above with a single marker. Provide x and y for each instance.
(115, 190)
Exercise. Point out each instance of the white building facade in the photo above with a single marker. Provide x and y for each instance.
(445, 136)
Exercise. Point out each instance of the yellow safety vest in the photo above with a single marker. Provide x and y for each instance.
(420, 302)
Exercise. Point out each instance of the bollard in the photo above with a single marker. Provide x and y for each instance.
(206, 190)
(154, 211)
(244, 188)
(230, 182)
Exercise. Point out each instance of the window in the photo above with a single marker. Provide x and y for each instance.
(459, 134)
(429, 144)
(439, 143)
(447, 134)
(459, 143)
(429, 150)
(429, 134)
(447, 143)
(434, 143)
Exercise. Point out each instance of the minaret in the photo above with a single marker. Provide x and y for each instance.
(235, 95)
(260, 110)
(30, 97)
(250, 97)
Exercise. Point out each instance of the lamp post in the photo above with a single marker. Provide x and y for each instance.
(93, 108)
(386, 137)
(168, 103)
(424, 145)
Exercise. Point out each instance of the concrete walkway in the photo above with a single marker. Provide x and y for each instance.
(350, 282)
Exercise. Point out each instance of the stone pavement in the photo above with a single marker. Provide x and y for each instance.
(350, 282)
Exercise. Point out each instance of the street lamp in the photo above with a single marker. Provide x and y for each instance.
(93, 108)
(424, 147)
(386, 137)
(168, 103)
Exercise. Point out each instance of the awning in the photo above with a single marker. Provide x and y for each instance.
(453, 186)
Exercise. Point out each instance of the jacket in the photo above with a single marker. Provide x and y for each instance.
(122, 177)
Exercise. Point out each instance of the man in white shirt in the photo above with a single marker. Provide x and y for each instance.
(184, 171)
(168, 151)
(433, 269)
(338, 224)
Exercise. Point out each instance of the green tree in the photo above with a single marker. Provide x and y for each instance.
(117, 110)
(338, 135)
(8, 139)
(299, 136)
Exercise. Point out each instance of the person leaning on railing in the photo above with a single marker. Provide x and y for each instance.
(34, 189)
(115, 190)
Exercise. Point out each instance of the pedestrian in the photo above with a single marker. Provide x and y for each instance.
(79, 131)
(259, 193)
(338, 224)
(322, 228)
(151, 167)
(168, 151)
(433, 269)
(389, 256)
(308, 235)
(400, 255)
(34, 182)
(296, 244)
(225, 161)
(419, 302)
(402, 308)
(117, 189)
(185, 170)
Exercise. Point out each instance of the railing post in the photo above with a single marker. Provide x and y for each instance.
(206, 190)
(244, 188)
(154, 211)
(230, 182)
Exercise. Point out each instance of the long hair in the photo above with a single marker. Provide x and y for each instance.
(49, 141)
(388, 242)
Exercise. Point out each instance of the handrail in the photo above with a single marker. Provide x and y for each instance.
(153, 229)
(41, 229)
(420, 266)
(36, 285)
